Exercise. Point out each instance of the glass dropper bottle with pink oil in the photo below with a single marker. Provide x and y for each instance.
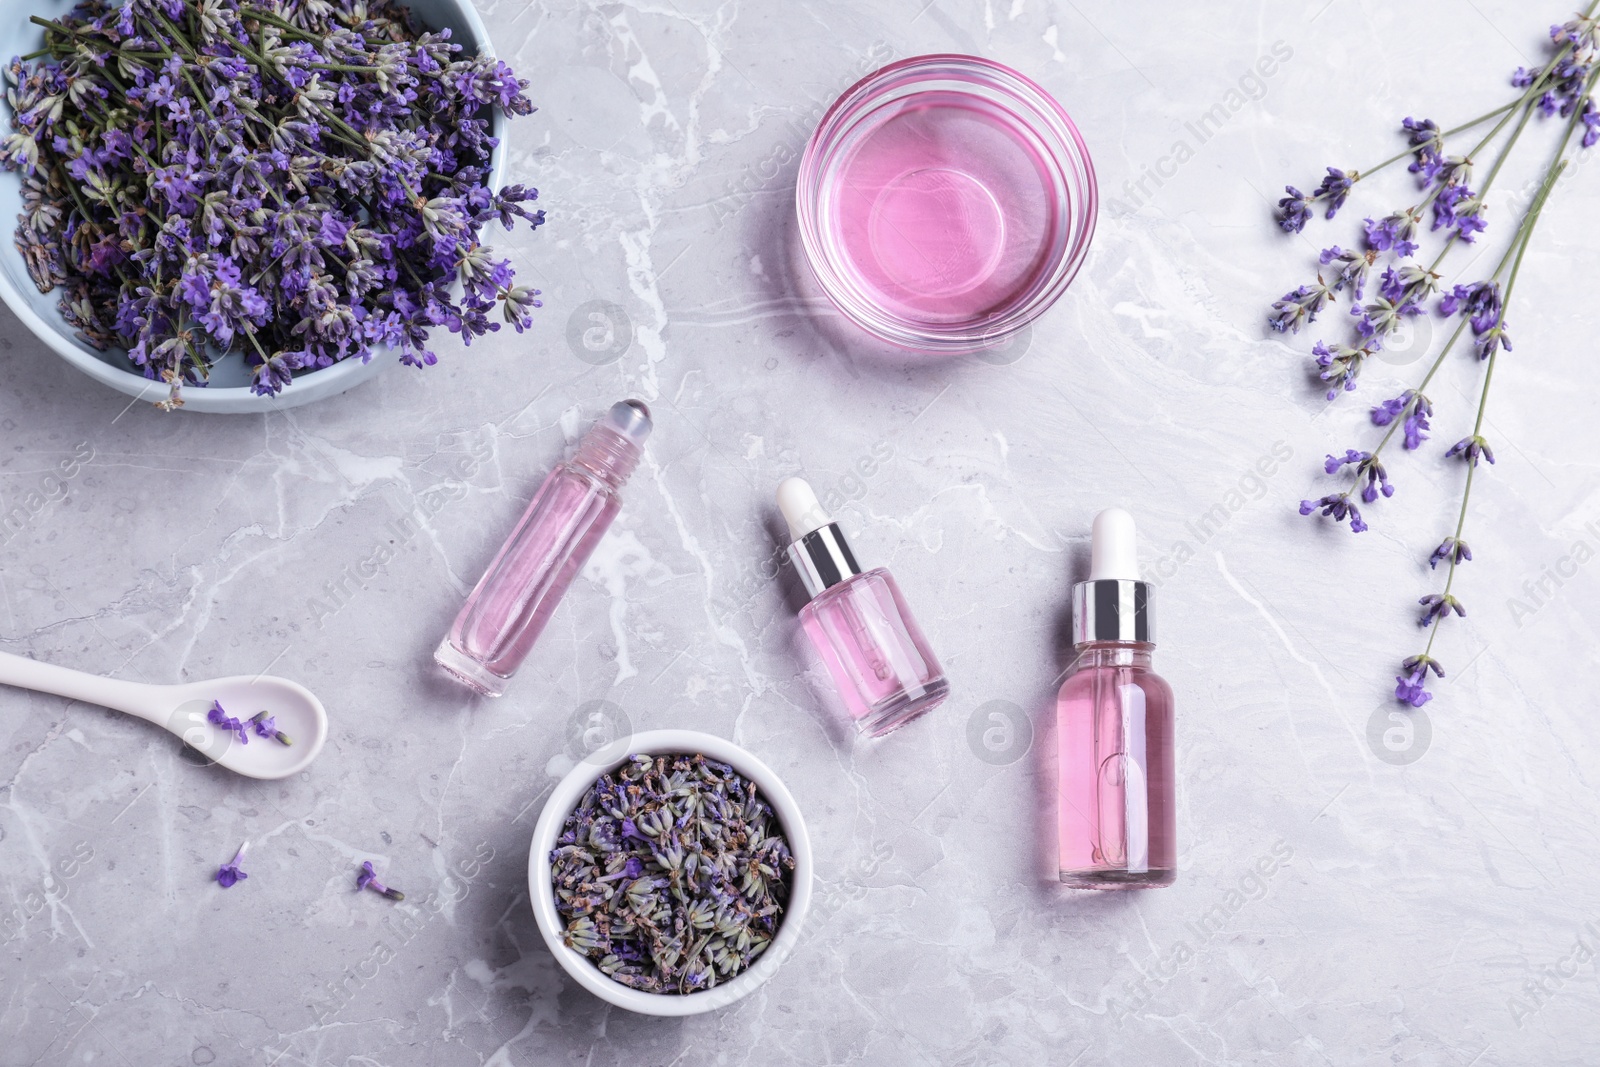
(1117, 818)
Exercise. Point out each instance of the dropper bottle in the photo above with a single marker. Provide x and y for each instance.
(858, 621)
(1117, 791)
(554, 539)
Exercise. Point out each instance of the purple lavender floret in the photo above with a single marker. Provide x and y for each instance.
(1353, 267)
(220, 718)
(1479, 301)
(1416, 408)
(1450, 550)
(1340, 365)
(1459, 210)
(301, 183)
(1470, 449)
(1393, 233)
(368, 879)
(1336, 506)
(1300, 307)
(1334, 190)
(1410, 687)
(1438, 606)
(1294, 211)
(229, 874)
(1423, 135)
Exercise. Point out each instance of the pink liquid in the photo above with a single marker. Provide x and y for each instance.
(875, 651)
(945, 211)
(1117, 817)
(513, 601)
(517, 595)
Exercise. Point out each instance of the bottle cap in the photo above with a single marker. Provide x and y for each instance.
(631, 419)
(819, 551)
(1113, 605)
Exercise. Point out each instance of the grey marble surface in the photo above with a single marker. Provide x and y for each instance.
(1440, 911)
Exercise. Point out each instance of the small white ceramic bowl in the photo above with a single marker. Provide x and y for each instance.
(229, 391)
(565, 798)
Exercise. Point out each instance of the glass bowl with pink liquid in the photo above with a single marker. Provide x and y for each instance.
(945, 202)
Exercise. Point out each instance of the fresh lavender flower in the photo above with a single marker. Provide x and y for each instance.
(1424, 136)
(1293, 210)
(1337, 506)
(1409, 687)
(1415, 407)
(1368, 466)
(229, 874)
(297, 182)
(1393, 233)
(1438, 606)
(1492, 340)
(368, 879)
(1300, 307)
(1340, 365)
(1591, 123)
(1450, 550)
(220, 718)
(1353, 267)
(267, 726)
(1383, 316)
(1459, 210)
(1470, 448)
(1334, 190)
(1479, 301)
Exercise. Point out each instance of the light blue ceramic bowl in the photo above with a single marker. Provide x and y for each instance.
(229, 391)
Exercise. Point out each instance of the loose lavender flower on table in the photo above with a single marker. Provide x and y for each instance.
(368, 879)
(302, 183)
(672, 874)
(229, 874)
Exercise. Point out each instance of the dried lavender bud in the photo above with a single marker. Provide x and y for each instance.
(671, 874)
(302, 183)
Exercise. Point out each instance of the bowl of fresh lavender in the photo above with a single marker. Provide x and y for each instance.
(239, 205)
(670, 873)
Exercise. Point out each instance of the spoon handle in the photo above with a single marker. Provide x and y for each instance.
(134, 698)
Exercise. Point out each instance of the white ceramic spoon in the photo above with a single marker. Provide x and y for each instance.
(182, 709)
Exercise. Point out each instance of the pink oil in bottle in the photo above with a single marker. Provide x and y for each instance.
(881, 665)
(1117, 804)
(572, 510)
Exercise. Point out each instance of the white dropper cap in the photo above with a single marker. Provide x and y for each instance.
(1115, 552)
(800, 507)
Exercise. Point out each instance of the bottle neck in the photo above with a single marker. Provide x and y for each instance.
(606, 456)
(1113, 654)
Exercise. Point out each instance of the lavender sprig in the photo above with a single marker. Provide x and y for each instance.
(303, 184)
(1563, 87)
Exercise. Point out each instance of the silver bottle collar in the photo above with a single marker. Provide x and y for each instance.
(823, 558)
(1112, 609)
